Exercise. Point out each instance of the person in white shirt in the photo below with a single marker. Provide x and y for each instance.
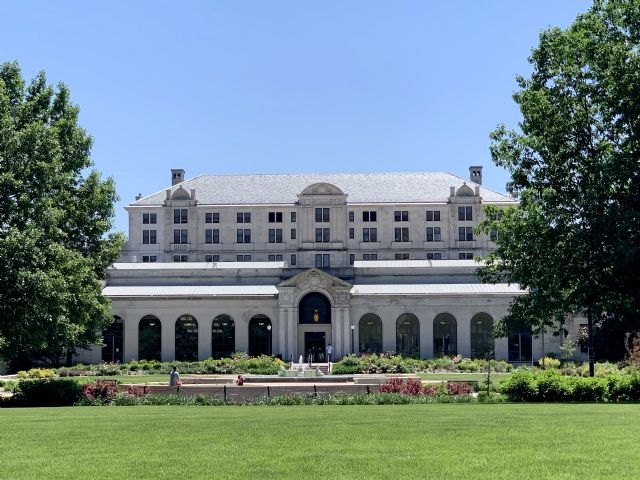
(329, 352)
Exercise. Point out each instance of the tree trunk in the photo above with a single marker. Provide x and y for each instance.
(590, 350)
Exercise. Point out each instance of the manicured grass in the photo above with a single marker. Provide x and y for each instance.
(139, 379)
(469, 441)
(478, 377)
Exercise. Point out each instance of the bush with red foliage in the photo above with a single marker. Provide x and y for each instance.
(459, 388)
(414, 387)
(100, 391)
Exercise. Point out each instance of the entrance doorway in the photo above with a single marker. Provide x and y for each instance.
(315, 346)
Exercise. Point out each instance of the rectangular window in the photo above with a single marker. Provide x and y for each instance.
(323, 235)
(149, 259)
(180, 215)
(465, 234)
(369, 235)
(275, 257)
(352, 233)
(401, 234)
(212, 235)
(401, 216)
(149, 237)
(465, 213)
(293, 217)
(369, 256)
(493, 235)
(322, 215)
(293, 234)
(275, 217)
(243, 217)
(180, 236)
(433, 215)
(434, 234)
(212, 258)
(212, 217)
(434, 256)
(243, 235)
(243, 258)
(370, 216)
(180, 258)
(149, 218)
(352, 259)
(293, 259)
(402, 256)
(351, 216)
(465, 256)
(275, 235)
(322, 261)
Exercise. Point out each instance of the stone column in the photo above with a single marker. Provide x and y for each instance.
(464, 334)
(293, 333)
(204, 338)
(130, 339)
(168, 339)
(282, 333)
(336, 332)
(346, 339)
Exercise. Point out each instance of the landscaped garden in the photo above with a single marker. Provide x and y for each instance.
(499, 441)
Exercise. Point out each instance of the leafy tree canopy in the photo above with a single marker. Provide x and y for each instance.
(574, 240)
(55, 217)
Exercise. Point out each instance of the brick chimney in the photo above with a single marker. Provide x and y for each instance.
(177, 176)
(475, 174)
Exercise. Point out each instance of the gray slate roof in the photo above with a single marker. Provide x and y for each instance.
(366, 188)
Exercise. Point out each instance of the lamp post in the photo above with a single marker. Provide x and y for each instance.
(353, 327)
(269, 335)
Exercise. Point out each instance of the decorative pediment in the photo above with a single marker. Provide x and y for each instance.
(465, 191)
(315, 278)
(322, 189)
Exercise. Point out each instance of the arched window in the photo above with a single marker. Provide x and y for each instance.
(149, 335)
(186, 339)
(113, 339)
(259, 336)
(370, 333)
(314, 308)
(408, 335)
(482, 344)
(223, 336)
(520, 346)
(445, 338)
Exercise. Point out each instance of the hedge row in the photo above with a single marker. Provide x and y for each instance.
(239, 363)
(552, 386)
(352, 364)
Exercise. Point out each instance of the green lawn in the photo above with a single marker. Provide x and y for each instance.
(478, 377)
(464, 441)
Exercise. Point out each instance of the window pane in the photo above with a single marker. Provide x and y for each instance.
(149, 334)
(176, 216)
(318, 215)
(351, 216)
(186, 338)
(293, 217)
(325, 214)
(373, 234)
(318, 234)
(326, 237)
(370, 334)
(352, 233)
(365, 216)
(373, 216)
(239, 236)
(408, 336)
(239, 218)
(293, 259)
(247, 235)
(318, 261)
(429, 215)
(444, 335)
(469, 213)
(223, 337)
(436, 216)
(365, 234)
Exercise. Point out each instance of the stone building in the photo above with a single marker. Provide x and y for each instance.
(287, 264)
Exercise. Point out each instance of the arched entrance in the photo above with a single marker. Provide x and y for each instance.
(259, 336)
(314, 326)
(113, 337)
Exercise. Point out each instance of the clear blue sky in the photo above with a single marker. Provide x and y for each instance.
(283, 86)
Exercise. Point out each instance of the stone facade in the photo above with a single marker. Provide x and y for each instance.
(281, 297)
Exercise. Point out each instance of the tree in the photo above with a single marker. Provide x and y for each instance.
(55, 218)
(574, 240)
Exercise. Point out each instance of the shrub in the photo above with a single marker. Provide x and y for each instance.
(549, 362)
(625, 387)
(50, 392)
(553, 387)
(100, 392)
(591, 389)
(521, 386)
(37, 373)
(459, 388)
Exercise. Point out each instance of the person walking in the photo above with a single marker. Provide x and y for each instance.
(174, 379)
(329, 353)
